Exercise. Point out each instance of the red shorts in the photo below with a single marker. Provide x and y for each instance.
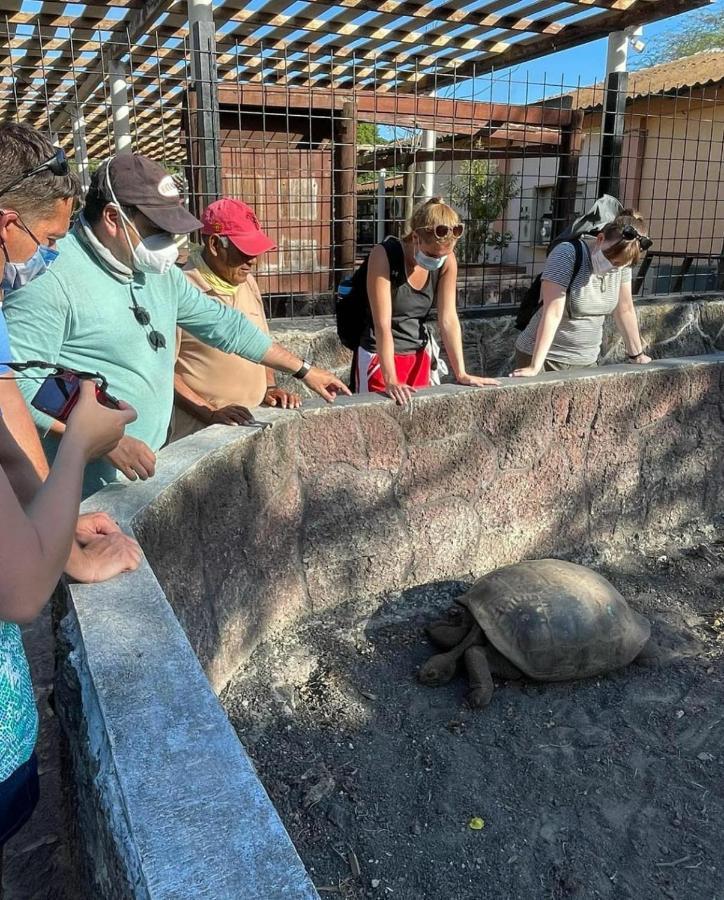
(412, 369)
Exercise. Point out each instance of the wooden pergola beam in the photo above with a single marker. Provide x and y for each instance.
(427, 111)
(572, 35)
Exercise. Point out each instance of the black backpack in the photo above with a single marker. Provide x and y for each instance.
(351, 304)
(531, 302)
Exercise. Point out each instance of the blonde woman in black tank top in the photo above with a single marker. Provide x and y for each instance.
(394, 356)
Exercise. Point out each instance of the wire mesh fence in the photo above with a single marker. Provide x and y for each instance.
(333, 149)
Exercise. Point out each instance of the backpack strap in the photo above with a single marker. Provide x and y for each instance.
(577, 263)
(396, 259)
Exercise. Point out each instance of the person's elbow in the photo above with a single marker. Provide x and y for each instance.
(20, 606)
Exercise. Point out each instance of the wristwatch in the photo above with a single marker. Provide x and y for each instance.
(303, 369)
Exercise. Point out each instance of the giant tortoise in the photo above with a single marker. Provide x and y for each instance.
(546, 619)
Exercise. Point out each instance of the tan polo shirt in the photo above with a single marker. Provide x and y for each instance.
(220, 378)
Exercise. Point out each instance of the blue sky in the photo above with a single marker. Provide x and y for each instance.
(581, 65)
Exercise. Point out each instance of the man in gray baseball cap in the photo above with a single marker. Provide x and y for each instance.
(112, 301)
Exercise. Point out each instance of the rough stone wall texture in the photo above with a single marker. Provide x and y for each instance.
(671, 328)
(248, 531)
(365, 497)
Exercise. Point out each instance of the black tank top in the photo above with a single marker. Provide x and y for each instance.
(410, 306)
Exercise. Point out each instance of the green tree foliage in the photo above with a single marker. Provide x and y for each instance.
(693, 32)
(369, 135)
(482, 193)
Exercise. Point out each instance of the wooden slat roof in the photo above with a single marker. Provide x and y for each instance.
(55, 54)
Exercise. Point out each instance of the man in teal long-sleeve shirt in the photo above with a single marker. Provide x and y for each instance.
(111, 303)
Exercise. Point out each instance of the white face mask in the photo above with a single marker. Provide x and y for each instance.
(431, 263)
(600, 263)
(155, 254)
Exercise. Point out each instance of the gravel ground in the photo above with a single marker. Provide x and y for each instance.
(611, 787)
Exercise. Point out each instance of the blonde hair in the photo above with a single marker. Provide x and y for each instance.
(430, 213)
(625, 253)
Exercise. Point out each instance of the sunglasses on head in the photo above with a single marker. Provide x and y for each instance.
(57, 165)
(445, 232)
(143, 317)
(629, 233)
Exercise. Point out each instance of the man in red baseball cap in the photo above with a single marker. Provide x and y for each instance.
(210, 386)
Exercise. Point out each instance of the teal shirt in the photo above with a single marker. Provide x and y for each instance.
(78, 314)
(18, 714)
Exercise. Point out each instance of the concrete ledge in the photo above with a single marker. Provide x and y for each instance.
(671, 326)
(246, 532)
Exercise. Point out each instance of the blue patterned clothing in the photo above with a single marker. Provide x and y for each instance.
(18, 714)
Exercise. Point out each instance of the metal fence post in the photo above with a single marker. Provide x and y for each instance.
(202, 37)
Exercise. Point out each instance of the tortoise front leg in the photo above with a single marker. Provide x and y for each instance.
(501, 666)
(447, 635)
(481, 681)
(439, 669)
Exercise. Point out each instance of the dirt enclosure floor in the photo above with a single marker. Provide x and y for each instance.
(604, 788)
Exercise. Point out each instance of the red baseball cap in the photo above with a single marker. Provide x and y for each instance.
(236, 220)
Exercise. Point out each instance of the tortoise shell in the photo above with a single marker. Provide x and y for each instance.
(556, 620)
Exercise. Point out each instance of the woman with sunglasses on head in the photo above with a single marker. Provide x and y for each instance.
(567, 331)
(406, 279)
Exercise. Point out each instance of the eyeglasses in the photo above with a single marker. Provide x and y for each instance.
(445, 232)
(143, 317)
(57, 165)
(629, 233)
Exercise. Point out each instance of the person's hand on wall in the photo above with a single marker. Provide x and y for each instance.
(93, 525)
(476, 381)
(103, 557)
(134, 458)
(400, 393)
(233, 414)
(526, 372)
(101, 550)
(324, 383)
(276, 396)
(641, 359)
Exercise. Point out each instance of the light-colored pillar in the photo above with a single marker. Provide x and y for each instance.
(429, 140)
(119, 107)
(617, 52)
(381, 211)
(80, 146)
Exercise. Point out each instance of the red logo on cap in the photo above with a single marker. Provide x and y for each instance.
(217, 227)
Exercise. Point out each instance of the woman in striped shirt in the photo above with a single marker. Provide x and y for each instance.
(567, 331)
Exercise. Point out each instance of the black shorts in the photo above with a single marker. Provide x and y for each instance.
(18, 798)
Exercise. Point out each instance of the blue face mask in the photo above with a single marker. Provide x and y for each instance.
(431, 263)
(16, 275)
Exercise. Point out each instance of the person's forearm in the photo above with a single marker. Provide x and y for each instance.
(628, 327)
(19, 422)
(547, 327)
(45, 531)
(190, 401)
(279, 358)
(452, 340)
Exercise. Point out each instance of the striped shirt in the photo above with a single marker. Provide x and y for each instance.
(577, 340)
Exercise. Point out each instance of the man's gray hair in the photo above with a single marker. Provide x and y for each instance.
(23, 148)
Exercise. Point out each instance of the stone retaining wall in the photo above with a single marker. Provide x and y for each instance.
(671, 327)
(244, 533)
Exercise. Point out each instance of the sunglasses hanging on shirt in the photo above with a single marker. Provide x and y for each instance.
(143, 317)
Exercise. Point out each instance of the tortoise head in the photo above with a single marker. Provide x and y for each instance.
(439, 669)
